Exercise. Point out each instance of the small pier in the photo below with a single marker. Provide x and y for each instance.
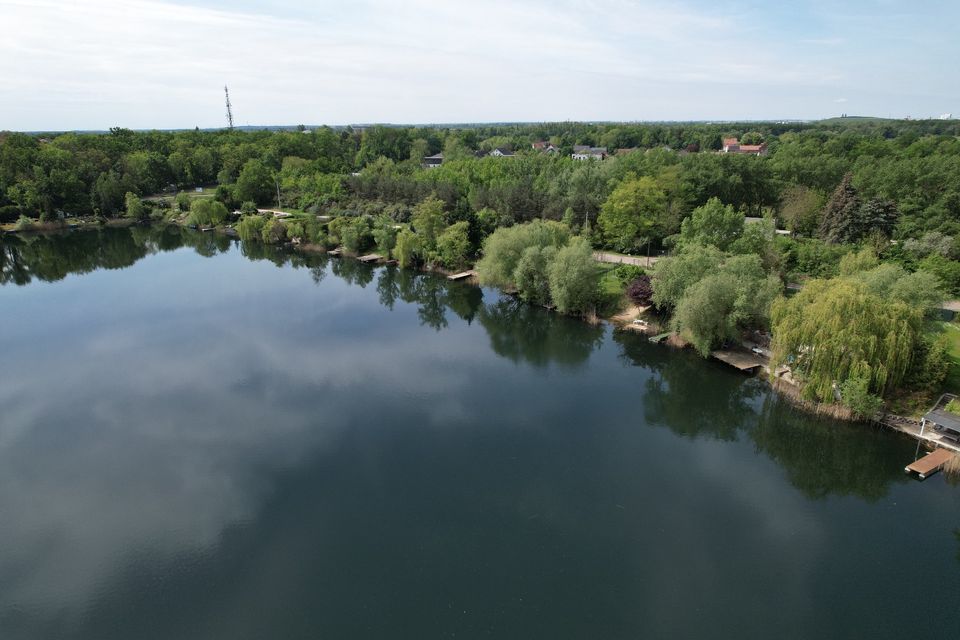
(463, 275)
(742, 360)
(335, 252)
(930, 463)
(373, 257)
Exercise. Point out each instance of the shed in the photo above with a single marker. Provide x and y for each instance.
(948, 423)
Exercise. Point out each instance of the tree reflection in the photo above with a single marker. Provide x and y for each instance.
(52, 257)
(522, 332)
(824, 457)
(690, 397)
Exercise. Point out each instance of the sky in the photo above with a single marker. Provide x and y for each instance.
(142, 64)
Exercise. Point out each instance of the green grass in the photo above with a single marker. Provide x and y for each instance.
(952, 333)
(610, 290)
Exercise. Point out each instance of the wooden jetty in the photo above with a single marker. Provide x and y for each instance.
(742, 360)
(373, 257)
(930, 463)
(462, 275)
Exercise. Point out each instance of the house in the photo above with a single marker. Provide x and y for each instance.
(432, 162)
(732, 145)
(545, 147)
(502, 152)
(584, 152)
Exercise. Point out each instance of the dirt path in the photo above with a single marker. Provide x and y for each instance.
(616, 258)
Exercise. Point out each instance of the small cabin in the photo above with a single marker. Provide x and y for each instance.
(945, 423)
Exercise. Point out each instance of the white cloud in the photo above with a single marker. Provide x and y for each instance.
(155, 63)
(151, 63)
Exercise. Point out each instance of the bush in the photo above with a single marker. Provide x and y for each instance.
(251, 227)
(273, 232)
(248, 208)
(574, 277)
(640, 291)
(24, 223)
(453, 245)
(206, 212)
(183, 201)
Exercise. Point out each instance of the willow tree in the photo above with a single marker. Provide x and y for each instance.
(836, 330)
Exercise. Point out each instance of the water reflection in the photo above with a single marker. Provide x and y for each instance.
(524, 333)
(823, 457)
(238, 460)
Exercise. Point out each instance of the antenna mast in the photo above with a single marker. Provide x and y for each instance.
(226, 92)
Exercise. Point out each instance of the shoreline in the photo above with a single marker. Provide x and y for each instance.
(622, 320)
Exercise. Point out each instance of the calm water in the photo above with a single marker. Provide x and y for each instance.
(200, 439)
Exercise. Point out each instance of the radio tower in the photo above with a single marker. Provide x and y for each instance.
(226, 92)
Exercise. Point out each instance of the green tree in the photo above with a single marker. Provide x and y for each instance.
(255, 183)
(407, 249)
(385, 235)
(532, 274)
(724, 302)
(855, 395)
(206, 212)
(631, 213)
(574, 277)
(502, 250)
(250, 227)
(428, 221)
(800, 209)
(835, 330)
(453, 245)
(839, 222)
(714, 224)
(675, 274)
(134, 206)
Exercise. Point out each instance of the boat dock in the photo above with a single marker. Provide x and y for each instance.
(742, 360)
(930, 463)
(462, 275)
(373, 257)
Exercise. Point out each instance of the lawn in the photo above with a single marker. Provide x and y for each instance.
(952, 333)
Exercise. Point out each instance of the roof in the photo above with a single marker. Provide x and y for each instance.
(945, 419)
(753, 147)
(730, 141)
(438, 156)
(951, 305)
(504, 151)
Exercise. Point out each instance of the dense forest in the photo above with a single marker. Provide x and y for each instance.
(862, 216)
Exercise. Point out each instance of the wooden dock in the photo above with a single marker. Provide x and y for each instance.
(373, 257)
(742, 360)
(462, 275)
(334, 252)
(930, 463)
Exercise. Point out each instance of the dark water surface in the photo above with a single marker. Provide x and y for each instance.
(200, 439)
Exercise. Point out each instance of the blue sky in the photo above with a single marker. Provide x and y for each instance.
(163, 63)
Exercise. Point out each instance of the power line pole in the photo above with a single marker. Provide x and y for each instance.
(226, 92)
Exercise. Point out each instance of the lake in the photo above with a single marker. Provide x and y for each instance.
(204, 439)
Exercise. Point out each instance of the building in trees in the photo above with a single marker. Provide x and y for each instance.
(732, 145)
(585, 152)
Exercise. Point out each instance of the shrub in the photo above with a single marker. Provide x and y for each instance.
(251, 227)
(640, 291)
